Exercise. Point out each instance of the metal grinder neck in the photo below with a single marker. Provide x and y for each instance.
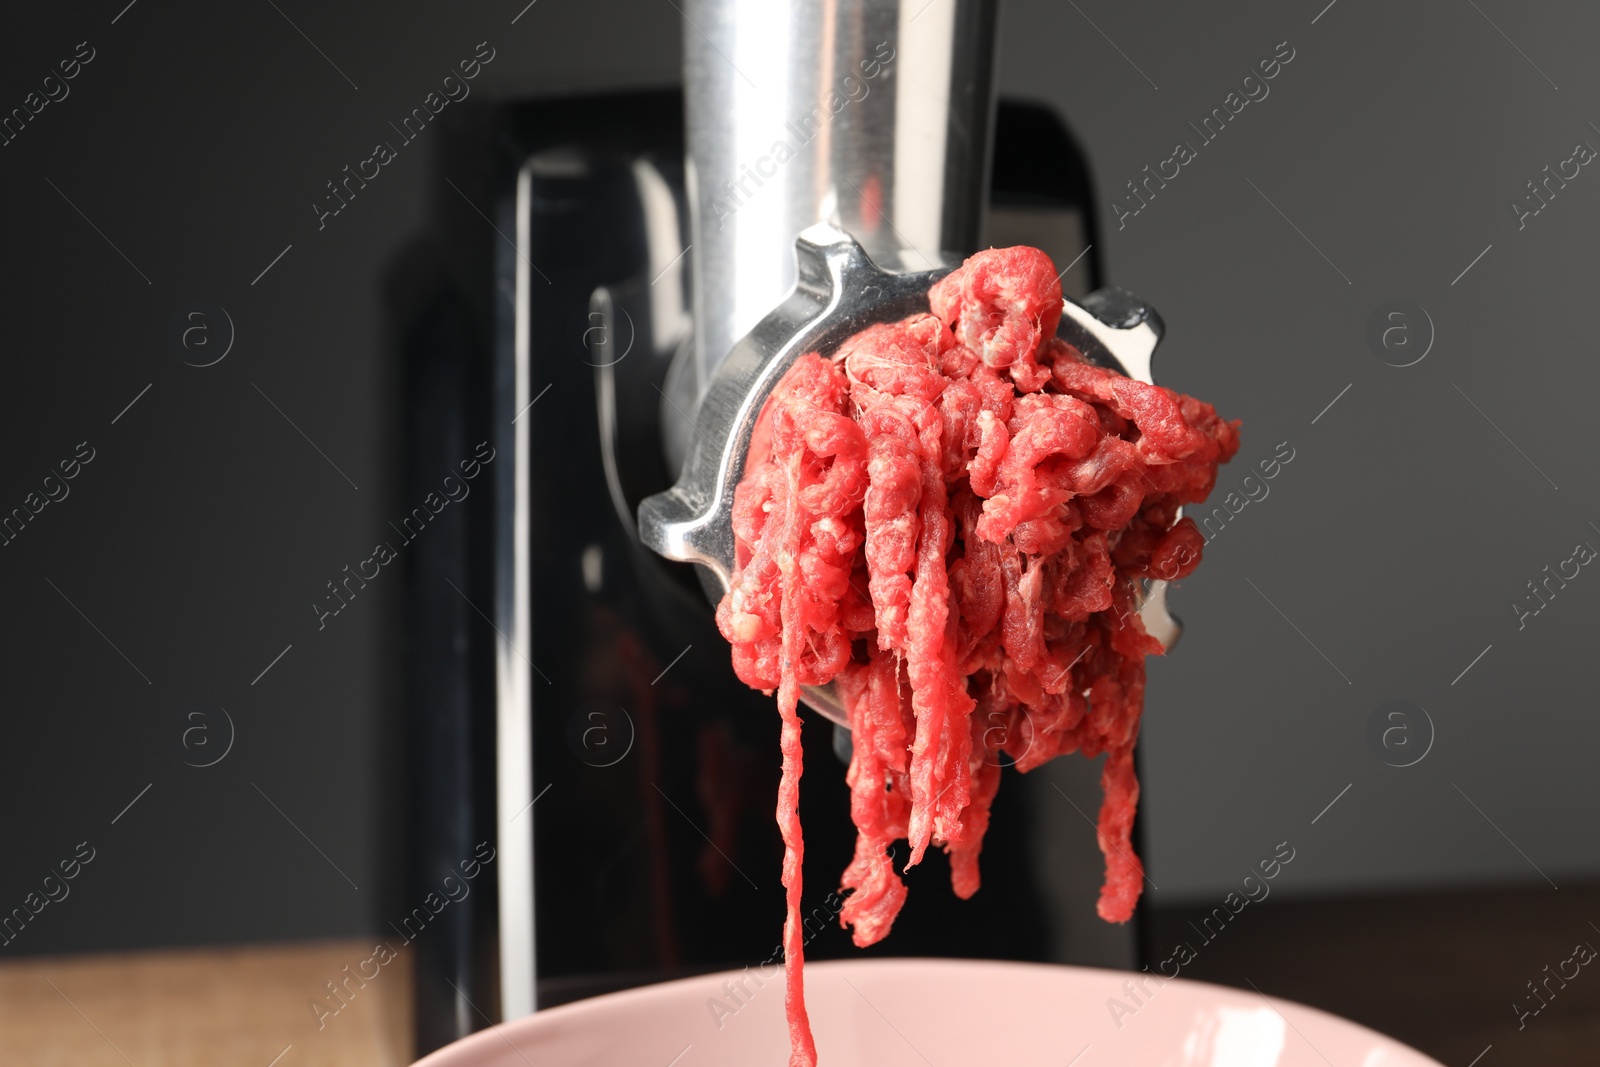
(873, 115)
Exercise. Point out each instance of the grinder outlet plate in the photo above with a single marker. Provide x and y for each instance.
(840, 291)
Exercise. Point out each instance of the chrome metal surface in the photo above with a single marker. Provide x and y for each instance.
(616, 311)
(839, 291)
(513, 671)
(873, 115)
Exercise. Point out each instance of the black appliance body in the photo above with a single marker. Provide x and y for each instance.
(571, 702)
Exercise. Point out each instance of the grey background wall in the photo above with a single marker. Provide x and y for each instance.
(1382, 562)
(1388, 553)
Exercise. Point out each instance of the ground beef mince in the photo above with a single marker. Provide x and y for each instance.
(948, 519)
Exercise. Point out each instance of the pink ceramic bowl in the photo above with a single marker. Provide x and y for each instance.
(934, 1013)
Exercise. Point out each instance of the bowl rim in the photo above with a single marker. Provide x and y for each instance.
(445, 1057)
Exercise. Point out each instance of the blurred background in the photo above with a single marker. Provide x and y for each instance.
(1382, 266)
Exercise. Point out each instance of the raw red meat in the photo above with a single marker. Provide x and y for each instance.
(948, 518)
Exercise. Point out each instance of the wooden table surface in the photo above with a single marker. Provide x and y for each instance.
(204, 1008)
(1438, 971)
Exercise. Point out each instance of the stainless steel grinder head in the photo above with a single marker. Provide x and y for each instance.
(840, 291)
